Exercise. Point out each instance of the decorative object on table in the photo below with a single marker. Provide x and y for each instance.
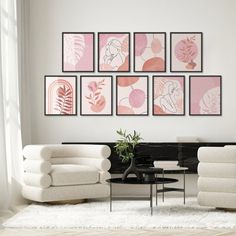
(132, 95)
(150, 52)
(126, 149)
(114, 52)
(60, 95)
(186, 51)
(96, 95)
(168, 95)
(205, 95)
(77, 52)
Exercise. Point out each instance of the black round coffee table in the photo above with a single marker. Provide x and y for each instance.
(135, 181)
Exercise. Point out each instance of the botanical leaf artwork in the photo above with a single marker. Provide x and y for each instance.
(149, 50)
(95, 98)
(96, 95)
(64, 101)
(60, 95)
(74, 48)
(113, 52)
(78, 51)
(132, 95)
(186, 51)
(210, 102)
(205, 95)
(168, 95)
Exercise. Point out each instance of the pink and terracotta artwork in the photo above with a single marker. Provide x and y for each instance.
(96, 95)
(78, 52)
(149, 52)
(205, 95)
(132, 95)
(114, 52)
(186, 52)
(168, 95)
(60, 95)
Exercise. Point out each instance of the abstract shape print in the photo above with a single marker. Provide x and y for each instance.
(150, 52)
(132, 95)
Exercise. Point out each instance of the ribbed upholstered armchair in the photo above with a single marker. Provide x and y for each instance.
(65, 172)
(217, 176)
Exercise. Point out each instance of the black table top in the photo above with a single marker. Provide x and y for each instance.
(134, 180)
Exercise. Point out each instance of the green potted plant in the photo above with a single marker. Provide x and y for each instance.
(125, 148)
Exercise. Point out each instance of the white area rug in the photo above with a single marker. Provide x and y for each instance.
(126, 214)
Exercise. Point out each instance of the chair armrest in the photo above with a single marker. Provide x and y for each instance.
(36, 166)
(100, 164)
(37, 152)
(103, 176)
(37, 180)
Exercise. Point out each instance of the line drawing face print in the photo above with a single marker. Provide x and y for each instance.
(114, 53)
(168, 96)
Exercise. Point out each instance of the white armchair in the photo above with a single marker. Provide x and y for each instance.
(217, 176)
(65, 172)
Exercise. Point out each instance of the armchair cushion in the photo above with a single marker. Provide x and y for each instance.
(69, 174)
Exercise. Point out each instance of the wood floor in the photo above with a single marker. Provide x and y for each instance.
(159, 232)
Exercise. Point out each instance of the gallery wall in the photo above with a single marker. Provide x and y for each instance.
(47, 19)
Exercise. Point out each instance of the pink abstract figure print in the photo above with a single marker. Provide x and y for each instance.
(130, 99)
(168, 96)
(60, 97)
(114, 52)
(186, 51)
(95, 98)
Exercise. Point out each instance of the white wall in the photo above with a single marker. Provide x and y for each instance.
(48, 18)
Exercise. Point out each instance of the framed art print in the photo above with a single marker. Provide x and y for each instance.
(60, 95)
(149, 52)
(96, 95)
(168, 95)
(186, 52)
(113, 52)
(205, 95)
(77, 52)
(132, 95)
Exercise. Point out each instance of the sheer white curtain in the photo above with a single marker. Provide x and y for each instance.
(10, 127)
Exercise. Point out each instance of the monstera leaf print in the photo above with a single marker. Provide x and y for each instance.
(74, 48)
(64, 101)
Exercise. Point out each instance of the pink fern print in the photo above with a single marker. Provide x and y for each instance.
(60, 95)
(64, 101)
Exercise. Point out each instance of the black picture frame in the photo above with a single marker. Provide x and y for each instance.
(96, 76)
(81, 71)
(171, 56)
(190, 91)
(147, 80)
(45, 94)
(184, 97)
(98, 50)
(165, 53)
